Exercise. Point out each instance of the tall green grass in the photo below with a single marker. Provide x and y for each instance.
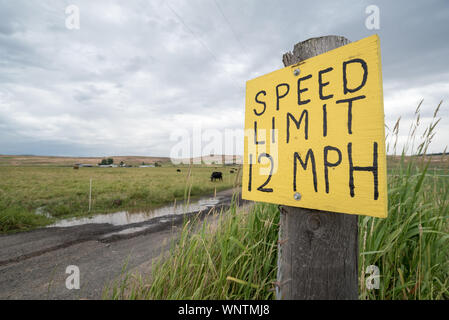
(231, 255)
(15, 218)
(234, 255)
(411, 246)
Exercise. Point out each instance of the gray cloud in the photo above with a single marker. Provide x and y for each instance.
(138, 70)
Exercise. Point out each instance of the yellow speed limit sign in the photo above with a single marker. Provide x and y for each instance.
(314, 133)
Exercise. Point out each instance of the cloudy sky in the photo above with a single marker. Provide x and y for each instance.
(136, 71)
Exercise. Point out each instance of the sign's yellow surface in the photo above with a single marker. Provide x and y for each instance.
(314, 133)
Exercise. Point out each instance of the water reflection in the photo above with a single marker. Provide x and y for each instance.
(125, 217)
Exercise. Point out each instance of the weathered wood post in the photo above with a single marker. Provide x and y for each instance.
(318, 250)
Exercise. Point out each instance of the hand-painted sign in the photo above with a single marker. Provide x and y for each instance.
(315, 133)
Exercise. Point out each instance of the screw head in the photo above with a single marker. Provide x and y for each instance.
(297, 196)
(296, 72)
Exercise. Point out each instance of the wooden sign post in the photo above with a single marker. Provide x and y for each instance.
(315, 144)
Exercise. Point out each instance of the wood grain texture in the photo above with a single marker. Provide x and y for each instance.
(318, 251)
(312, 47)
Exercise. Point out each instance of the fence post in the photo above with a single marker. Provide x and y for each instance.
(90, 194)
(318, 250)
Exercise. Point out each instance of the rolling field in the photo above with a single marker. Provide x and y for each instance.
(48, 185)
(63, 192)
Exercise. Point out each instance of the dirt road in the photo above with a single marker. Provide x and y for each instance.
(33, 264)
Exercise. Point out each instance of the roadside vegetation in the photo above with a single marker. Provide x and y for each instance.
(36, 196)
(232, 257)
(411, 246)
(235, 258)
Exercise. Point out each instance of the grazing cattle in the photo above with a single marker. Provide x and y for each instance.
(178, 170)
(231, 171)
(216, 175)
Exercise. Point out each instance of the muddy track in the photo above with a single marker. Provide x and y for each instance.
(33, 264)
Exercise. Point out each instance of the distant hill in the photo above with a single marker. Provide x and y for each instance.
(25, 160)
(30, 160)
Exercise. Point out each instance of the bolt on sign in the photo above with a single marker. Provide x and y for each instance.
(314, 133)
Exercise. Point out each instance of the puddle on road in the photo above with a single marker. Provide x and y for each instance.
(124, 217)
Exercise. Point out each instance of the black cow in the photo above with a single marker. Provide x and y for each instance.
(231, 171)
(178, 170)
(216, 175)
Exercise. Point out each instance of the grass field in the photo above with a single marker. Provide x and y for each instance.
(63, 192)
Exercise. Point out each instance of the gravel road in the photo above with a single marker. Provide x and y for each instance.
(33, 264)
